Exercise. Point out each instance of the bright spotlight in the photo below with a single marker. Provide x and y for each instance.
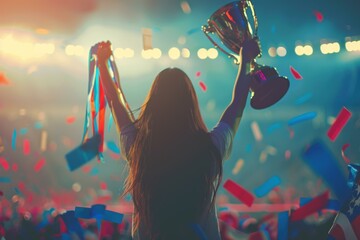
(146, 54)
(118, 52)
(156, 53)
(70, 50)
(212, 53)
(185, 52)
(299, 50)
(281, 51)
(79, 50)
(202, 53)
(128, 53)
(174, 53)
(308, 50)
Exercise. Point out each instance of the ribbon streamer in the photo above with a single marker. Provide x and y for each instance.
(311, 207)
(339, 123)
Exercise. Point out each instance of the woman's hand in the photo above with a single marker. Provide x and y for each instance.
(102, 50)
(250, 50)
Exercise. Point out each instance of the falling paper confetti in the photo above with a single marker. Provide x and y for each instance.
(26, 147)
(5, 180)
(15, 167)
(256, 131)
(287, 154)
(70, 119)
(43, 142)
(147, 38)
(13, 141)
(319, 16)
(203, 86)
(2, 148)
(266, 187)
(311, 207)
(198, 74)
(283, 223)
(3, 79)
(185, 7)
(4, 164)
(39, 165)
(239, 164)
(193, 30)
(332, 204)
(339, 123)
(303, 98)
(112, 146)
(301, 118)
(239, 192)
(344, 147)
(295, 73)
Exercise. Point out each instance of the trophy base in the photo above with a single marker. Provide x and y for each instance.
(270, 93)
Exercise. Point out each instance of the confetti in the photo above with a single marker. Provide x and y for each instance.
(2, 148)
(202, 86)
(38, 125)
(193, 30)
(147, 38)
(23, 131)
(263, 156)
(239, 164)
(70, 120)
(5, 180)
(4, 164)
(256, 131)
(320, 159)
(86, 169)
(239, 192)
(98, 212)
(266, 187)
(301, 118)
(332, 204)
(311, 207)
(185, 7)
(291, 133)
(112, 146)
(295, 73)
(39, 165)
(344, 147)
(287, 154)
(103, 185)
(274, 127)
(283, 223)
(26, 147)
(339, 123)
(15, 167)
(13, 141)
(72, 224)
(83, 153)
(43, 141)
(319, 16)
(303, 98)
(199, 231)
(198, 74)
(3, 79)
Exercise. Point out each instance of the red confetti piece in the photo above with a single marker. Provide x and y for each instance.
(239, 192)
(103, 185)
(319, 16)
(15, 167)
(198, 74)
(86, 169)
(39, 165)
(26, 147)
(311, 207)
(291, 132)
(344, 147)
(287, 154)
(70, 119)
(339, 123)
(295, 73)
(203, 86)
(4, 80)
(4, 164)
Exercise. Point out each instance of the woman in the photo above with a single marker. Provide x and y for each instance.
(175, 162)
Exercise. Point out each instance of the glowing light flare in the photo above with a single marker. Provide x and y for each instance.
(281, 51)
(299, 50)
(202, 53)
(308, 50)
(329, 48)
(212, 53)
(352, 46)
(185, 53)
(146, 54)
(174, 53)
(272, 52)
(156, 53)
(76, 187)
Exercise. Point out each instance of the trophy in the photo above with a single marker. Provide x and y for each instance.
(231, 25)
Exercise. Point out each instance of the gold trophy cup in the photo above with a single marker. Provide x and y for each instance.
(230, 23)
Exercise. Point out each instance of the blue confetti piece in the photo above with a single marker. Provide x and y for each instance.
(274, 127)
(5, 180)
(303, 99)
(266, 187)
(320, 159)
(83, 153)
(223, 209)
(283, 222)
(23, 131)
(112, 146)
(331, 205)
(302, 117)
(38, 125)
(13, 140)
(94, 171)
(193, 30)
(72, 224)
(199, 231)
(17, 191)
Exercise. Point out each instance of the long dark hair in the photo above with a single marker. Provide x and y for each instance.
(175, 170)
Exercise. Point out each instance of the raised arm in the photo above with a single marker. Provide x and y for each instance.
(112, 93)
(233, 112)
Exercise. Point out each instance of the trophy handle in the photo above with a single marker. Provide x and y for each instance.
(206, 29)
(249, 3)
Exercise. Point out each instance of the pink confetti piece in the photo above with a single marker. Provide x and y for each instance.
(311, 207)
(287, 154)
(39, 165)
(256, 131)
(339, 123)
(295, 73)
(70, 119)
(103, 185)
(15, 167)
(239, 192)
(319, 16)
(26, 147)
(4, 164)
(344, 147)
(86, 169)
(203, 86)
(198, 74)
(291, 133)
